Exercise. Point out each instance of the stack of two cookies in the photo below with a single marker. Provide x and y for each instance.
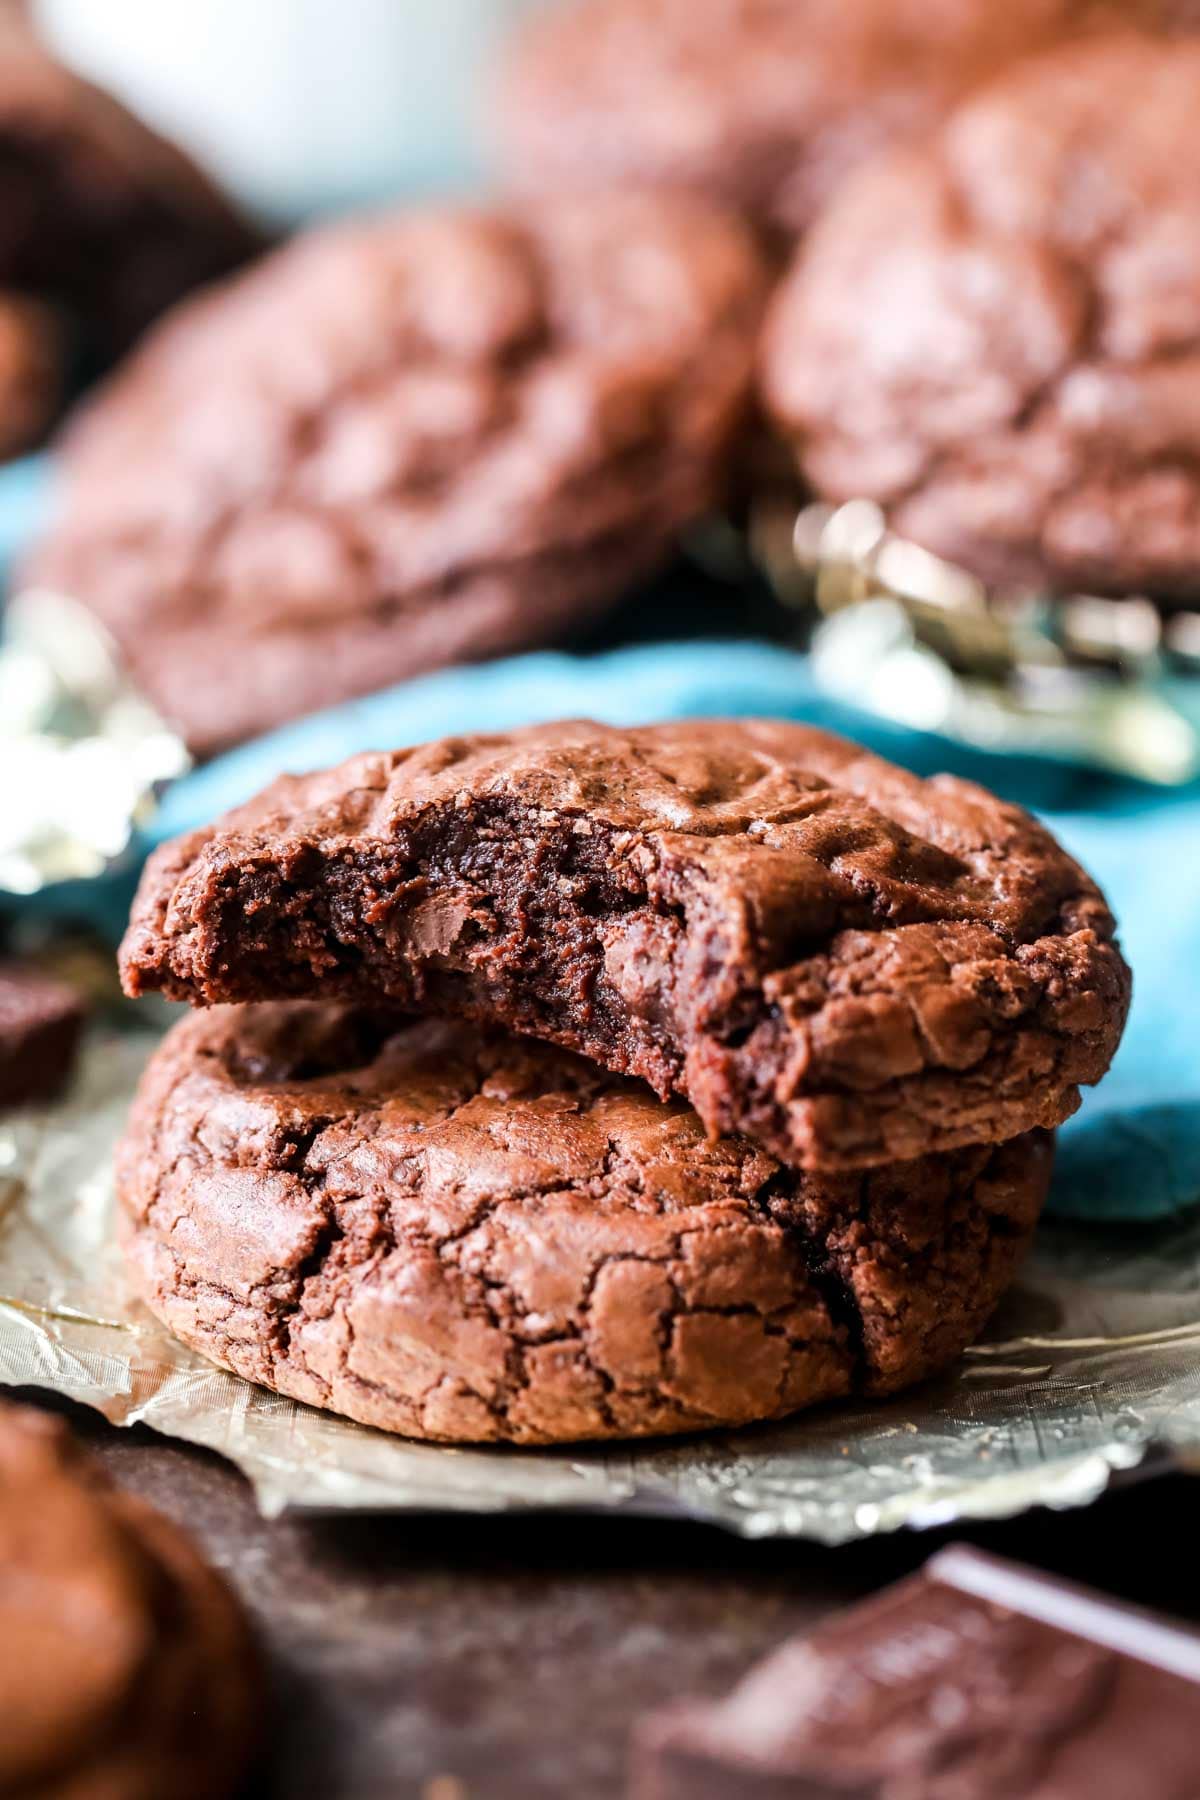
(585, 1083)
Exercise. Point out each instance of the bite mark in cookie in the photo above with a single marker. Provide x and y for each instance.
(851, 965)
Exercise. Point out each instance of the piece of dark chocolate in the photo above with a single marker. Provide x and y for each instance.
(973, 1680)
(40, 1023)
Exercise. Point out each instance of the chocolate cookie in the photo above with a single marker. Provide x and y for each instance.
(997, 336)
(40, 1023)
(458, 1235)
(404, 443)
(765, 104)
(126, 1667)
(849, 964)
(100, 214)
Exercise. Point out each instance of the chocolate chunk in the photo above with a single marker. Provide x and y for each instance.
(126, 1665)
(996, 335)
(974, 1680)
(848, 964)
(397, 444)
(461, 1236)
(40, 1023)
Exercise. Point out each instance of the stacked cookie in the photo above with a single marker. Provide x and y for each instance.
(579, 1083)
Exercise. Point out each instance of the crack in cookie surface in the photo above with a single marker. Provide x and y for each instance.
(463, 1236)
(849, 964)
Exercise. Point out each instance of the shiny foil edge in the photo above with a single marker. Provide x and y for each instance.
(1093, 1366)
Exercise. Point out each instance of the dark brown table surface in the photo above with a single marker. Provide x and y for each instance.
(503, 1659)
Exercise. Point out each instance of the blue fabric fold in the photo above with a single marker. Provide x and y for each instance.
(1133, 1152)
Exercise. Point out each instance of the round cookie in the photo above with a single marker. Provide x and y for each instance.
(997, 336)
(406, 442)
(126, 1666)
(462, 1236)
(101, 215)
(848, 964)
(764, 104)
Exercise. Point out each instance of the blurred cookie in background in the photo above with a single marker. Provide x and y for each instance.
(31, 371)
(126, 1666)
(996, 336)
(763, 104)
(100, 219)
(406, 442)
(466, 1237)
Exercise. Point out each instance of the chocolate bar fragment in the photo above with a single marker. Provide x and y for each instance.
(40, 1023)
(973, 1680)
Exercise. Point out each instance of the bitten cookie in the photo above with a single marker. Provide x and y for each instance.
(764, 104)
(457, 1235)
(101, 215)
(40, 1023)
(848, 964)
(403, 443)
(997, 336)
(126, 1666)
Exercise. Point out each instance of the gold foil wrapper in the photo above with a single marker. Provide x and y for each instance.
(82, 755)
(1092, 1369)
(922, 643)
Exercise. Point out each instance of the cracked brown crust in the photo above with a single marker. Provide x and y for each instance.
(849, 964)
(101, 215)
(461, 1236)
(127, 1670)
(407, 442)
(764, 104)
(997, 336)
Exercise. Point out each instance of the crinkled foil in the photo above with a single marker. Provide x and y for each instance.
(920, 642)
(1093, 1368)
(82, 755)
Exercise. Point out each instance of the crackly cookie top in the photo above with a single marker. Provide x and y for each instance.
(765, 103)
(997, 335)
(125, 1665)
(849, 963)
(455, 1233)
(392, 422)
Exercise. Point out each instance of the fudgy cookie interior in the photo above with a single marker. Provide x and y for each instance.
(853, 966)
